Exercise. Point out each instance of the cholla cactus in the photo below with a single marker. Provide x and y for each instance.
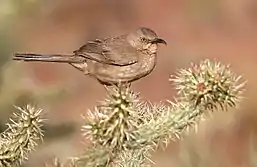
(208, 85)
(200, 89)
(21, 136)
(123, 128)
(114, 121)
(112, 126)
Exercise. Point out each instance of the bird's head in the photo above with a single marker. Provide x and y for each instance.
(145, 39)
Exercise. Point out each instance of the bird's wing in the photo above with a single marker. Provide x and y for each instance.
(114, 51)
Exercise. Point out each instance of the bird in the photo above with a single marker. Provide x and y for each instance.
(113, 60)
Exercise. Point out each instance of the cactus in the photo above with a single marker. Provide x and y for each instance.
(123, 128)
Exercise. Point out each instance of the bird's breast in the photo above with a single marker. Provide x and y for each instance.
(143, 67)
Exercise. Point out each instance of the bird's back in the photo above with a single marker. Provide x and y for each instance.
(112, 51)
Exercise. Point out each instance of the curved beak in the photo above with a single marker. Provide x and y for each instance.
(159, 40)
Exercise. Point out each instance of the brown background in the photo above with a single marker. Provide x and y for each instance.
(223, 30)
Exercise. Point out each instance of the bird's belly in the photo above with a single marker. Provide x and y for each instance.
(115, 74)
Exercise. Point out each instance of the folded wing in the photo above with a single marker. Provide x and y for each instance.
(112, 51)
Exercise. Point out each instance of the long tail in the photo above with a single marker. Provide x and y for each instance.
(48, 58)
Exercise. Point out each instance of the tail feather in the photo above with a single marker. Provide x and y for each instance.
(48, 58)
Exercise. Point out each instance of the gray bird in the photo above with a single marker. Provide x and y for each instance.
(116, 60)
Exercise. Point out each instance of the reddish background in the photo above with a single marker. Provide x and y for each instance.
(194, 29)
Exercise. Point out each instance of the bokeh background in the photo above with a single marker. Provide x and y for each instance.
(222, 30)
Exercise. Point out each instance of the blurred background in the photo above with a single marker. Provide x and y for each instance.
(223, 30)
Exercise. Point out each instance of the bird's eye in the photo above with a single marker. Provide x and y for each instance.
(143, 39)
